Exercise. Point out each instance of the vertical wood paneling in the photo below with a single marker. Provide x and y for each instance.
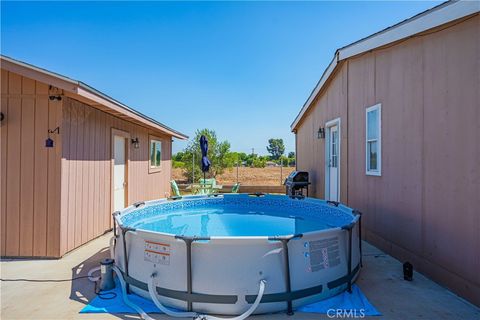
(424, 206)
(107, 186)
(14, 118)
(27, 163)
(101, 169)
(55, 119)
(85, 175)
(452, 152)
(55, 199)
(71, 157)
(41, 175)
(26, 177)
(91, 167)
(90, 157)
(3, 162)
(79, 199)
(65, 237)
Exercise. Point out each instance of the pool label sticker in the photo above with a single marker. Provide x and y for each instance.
(157, 252)
(323, 254)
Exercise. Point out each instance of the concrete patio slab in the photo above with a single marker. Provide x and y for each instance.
(381, 280)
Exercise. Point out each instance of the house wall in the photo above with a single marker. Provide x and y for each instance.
(331, 104)
(30, 172)
(424, 207)
(86, 207)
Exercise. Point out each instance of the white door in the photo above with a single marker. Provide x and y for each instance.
(332, 190)
(119, 173)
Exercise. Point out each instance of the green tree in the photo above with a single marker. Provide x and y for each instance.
(259, 162)
(178, 156)
(218, 153)
(291, 158)
(232, 158)
(178, 164)
(283, 161)
(276, 148)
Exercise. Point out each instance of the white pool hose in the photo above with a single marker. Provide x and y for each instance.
(112, 247)
(139, 310)
(167, 311)
(90, 274)
(244, 315)
(142, 313)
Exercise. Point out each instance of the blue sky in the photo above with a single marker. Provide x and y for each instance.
(243, 69)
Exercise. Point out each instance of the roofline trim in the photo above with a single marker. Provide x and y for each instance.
(86, 91)
(442, 14)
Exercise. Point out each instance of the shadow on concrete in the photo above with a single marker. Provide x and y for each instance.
(83, 290)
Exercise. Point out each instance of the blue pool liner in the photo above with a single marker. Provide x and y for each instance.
(356, 301)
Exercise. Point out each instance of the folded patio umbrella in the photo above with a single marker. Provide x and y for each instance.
(205, 162)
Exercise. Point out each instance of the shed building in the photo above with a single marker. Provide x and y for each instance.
(70, 156)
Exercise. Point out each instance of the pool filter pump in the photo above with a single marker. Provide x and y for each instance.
(106, 275)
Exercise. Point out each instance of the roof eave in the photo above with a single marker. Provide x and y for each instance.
(74, 87)
(95, 95)
(434, 17)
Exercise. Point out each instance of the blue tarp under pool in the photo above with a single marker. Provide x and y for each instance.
(346, 303)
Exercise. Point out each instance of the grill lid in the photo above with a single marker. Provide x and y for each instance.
(298, 176)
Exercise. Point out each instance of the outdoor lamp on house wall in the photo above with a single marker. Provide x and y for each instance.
(49, 143)
(136, 143)
(321, 133)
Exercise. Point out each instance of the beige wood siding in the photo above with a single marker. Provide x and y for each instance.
(328, 106)
(56, 199)
(424, 207)
(86, 171)
(30, 172)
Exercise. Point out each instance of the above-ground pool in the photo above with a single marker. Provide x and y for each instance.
(217, 254)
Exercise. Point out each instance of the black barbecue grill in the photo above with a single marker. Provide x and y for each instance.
(296, 182)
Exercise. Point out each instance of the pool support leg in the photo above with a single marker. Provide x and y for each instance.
(359, 235)
(286, 262)
(288, 283)
(350, 260)
(188, 243)
(349, 229)
(359, 214)
(124, 232)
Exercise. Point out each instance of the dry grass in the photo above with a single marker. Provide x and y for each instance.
(269, 176)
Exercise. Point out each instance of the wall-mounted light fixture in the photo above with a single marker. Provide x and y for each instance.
(321, 133)
(49, 143)
(55, 98)
(56, 130)
(136, 143)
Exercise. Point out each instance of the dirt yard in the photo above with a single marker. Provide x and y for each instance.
(269, 176)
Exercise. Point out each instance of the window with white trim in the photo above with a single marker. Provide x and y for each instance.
(373, 134)
(155, 153)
